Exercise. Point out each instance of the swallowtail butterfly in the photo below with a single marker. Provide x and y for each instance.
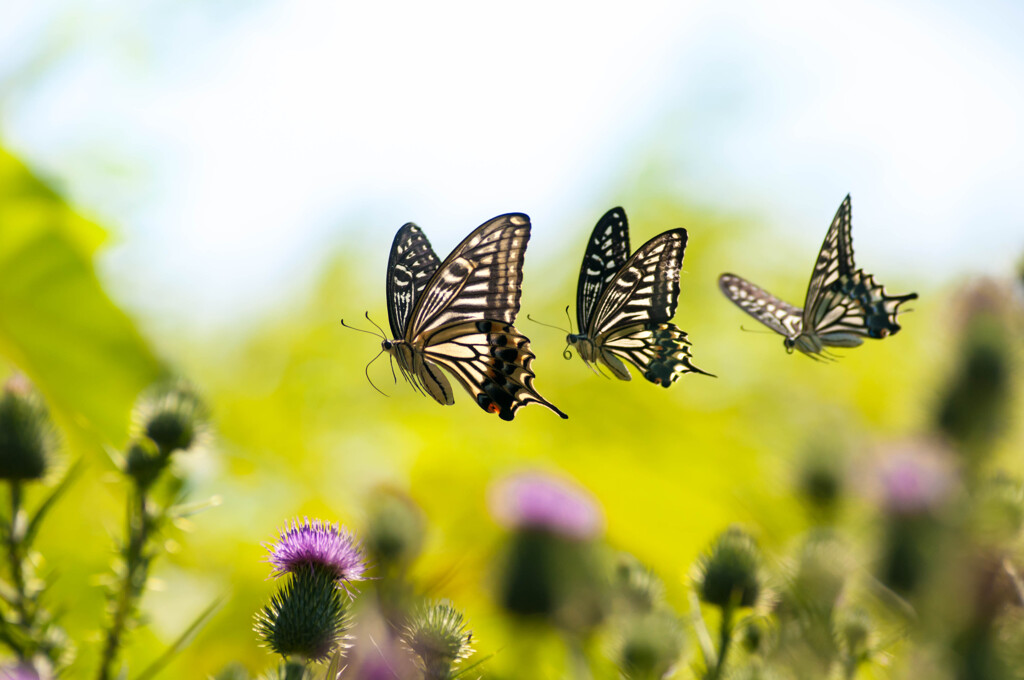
(623, 303)
(458, 315)
(843, 305)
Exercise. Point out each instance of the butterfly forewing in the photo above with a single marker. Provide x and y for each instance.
(835, 259)
(780, 316)
(410, 266)
(607, 251)
(480, 279)
(645, 289)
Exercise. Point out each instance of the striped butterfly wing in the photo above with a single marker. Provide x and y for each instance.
(607, 251)
(845, 305)
(463, 320)
(410, 266)
(480, 279)
(631, 320)
(492, 361)
(782, 317)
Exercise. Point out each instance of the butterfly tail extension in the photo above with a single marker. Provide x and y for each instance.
(492, 361)
(874, 314)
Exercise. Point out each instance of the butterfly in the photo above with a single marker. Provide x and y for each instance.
(624, 303)
(843, 304)
(458, 315)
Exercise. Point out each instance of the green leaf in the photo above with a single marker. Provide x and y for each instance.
(57, 324)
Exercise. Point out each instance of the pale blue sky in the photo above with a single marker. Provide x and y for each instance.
(230, 145)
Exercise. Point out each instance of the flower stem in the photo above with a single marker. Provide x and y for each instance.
(136, 571)
(15, 556)
(724, 641)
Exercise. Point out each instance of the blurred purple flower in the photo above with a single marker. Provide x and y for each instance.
(540, 501)
(319, 544)
(18, 673)
(913, 478)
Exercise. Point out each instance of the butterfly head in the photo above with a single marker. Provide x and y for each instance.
(387, 345)
(790, 344)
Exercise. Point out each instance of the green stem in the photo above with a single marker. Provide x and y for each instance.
(724, 641)
(136, 570)
(578, 659)
(14, 556)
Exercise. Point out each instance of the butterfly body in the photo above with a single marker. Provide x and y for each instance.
(624, 303)
(844, 305)
(458, 315)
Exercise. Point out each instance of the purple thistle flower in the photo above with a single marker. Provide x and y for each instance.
(18, 673)
(914, 478)
(540, 501)
(318, 544)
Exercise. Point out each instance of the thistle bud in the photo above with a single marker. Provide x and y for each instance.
(27, 437)
(437, 635)
(306, 618)
(647, 646)
(637, 588)
(852, 632)
(173, 416)
(143, 462)
(728, 574)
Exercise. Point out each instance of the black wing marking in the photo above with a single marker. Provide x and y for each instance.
(835, 259)
(645, 289)
(607, 251)
(410, 266)
(480, 279)
(780, 316)
(659, 350)
(492, 361)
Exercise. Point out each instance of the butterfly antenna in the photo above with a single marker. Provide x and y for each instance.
(541, 323)
(361, 330)
(367, 372)
(382, 333)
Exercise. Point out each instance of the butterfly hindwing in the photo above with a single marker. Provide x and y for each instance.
(780, 316)
(410, 266)
(492, 361)
(659, 350)
(481, 279)
(607, 251)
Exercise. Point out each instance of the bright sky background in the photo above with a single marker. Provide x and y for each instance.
(232, 144)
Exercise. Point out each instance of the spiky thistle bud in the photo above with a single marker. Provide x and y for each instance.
(852, 630)
(437, 635)
(306, 618)
(173, 416)
(27, 437)
(637, 588)
(647, 646)
(728, 574)
(144, 462)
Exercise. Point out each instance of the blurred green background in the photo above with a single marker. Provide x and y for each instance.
(299, 432)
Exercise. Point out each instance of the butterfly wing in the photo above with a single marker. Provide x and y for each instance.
(410, 266)
(481, 279)
(607, 251)
(780, 316)
(462, 321)
(845, 305)
(659, 350)
(492, 361)
(645, 289)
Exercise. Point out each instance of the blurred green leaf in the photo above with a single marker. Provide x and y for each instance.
(56, 322)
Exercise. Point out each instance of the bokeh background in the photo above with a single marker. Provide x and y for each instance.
(206, 188)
